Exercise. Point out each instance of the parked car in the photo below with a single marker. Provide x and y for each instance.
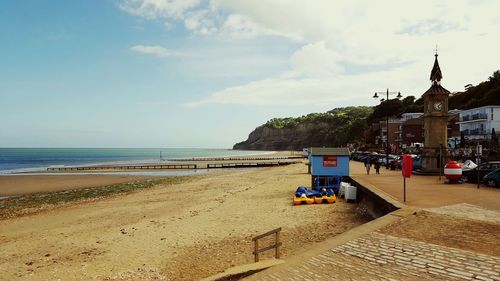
(417, 162)
(383, 159)
(470, 175)
(492, 178)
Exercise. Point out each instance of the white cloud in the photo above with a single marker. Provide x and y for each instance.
(152, 9)
(293, 91)
(200, 22)
(155, 50)
(389, 44)
(242, 27)
(316, 60)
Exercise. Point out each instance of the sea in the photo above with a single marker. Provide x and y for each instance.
(32, 160)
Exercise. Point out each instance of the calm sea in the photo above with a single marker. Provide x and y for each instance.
(35, 159)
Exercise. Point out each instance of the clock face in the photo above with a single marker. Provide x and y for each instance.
(438, 106)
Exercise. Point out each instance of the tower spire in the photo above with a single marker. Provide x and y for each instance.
(436, 75)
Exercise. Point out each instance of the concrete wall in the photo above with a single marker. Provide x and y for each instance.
(374, 202)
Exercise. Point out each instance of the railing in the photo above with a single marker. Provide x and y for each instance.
(479, 116)
(474, 132)
(478, 132)
(475, 116)
(276, 246)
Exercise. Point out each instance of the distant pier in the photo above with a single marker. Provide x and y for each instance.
(236, 158)
(126, 167)
(191, 166)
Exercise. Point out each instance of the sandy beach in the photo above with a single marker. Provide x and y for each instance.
(181, 231)
(23, 184)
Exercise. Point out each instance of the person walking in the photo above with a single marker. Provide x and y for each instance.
(368, 165)
(377, 167)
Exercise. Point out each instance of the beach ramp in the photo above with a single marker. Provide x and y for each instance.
(241, 271)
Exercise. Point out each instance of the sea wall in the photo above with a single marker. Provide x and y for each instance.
(372, 201)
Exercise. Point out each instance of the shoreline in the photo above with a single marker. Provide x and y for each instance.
(136, 161)
(14, 184)
(19, 185)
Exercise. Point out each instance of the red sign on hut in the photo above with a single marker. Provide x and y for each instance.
(329, 161)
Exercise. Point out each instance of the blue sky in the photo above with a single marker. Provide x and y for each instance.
(189, 73)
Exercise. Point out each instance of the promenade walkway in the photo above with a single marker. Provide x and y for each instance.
(427, 191)
(427, 240)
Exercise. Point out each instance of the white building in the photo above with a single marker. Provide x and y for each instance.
(408, 116)
(477, 123)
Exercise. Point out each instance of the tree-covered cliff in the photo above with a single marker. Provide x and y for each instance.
(485, 93)
(340, 126)
(336, 127)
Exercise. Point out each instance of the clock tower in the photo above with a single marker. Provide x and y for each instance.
(435, 123)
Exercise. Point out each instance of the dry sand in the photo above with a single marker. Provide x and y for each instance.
(179, 232)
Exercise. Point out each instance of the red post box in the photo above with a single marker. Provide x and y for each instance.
(407, 165)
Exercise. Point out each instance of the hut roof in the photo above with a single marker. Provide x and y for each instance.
(330, 151)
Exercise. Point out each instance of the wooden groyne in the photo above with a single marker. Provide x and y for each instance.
(237, 158)
(175, 166)
(247, 165)
(126, 167)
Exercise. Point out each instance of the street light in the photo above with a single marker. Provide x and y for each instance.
(387, 93)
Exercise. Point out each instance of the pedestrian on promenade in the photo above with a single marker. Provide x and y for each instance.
(368, 165)
(377, 167)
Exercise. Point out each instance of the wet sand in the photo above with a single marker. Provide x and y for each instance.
(23, 184)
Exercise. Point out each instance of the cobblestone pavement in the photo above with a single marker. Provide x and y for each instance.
(377, 256)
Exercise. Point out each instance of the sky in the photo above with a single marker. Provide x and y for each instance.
(194, 73)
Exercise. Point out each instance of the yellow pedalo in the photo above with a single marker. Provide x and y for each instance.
(297, 200)
(326, 197)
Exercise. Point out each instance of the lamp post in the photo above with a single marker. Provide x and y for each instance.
(387, 121)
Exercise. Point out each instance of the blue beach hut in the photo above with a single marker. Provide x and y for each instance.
(328, 166)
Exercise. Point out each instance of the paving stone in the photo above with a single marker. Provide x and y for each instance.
(490, 272)
(479, 277)
(435, 266)
(459, 276)
(400, 257)
(385, 257)
(459, 272)
(473, 268)
(437, 271)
